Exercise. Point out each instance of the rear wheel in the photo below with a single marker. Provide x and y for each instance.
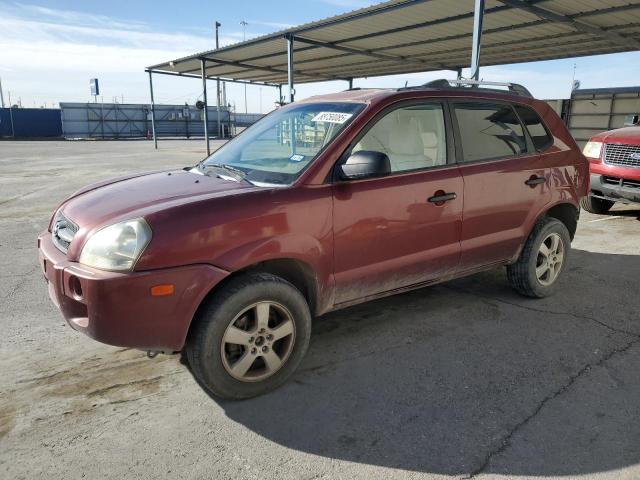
(542, 260)
(249, 337)
(598, 206)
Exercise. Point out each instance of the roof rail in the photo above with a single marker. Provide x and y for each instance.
(514, 88)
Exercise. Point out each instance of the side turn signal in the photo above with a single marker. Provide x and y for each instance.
(162, 290)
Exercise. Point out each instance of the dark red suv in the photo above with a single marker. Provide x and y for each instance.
(322, 204)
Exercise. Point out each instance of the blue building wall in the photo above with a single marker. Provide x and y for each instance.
(30, 123)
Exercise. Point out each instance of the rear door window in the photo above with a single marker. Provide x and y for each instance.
(537, 131)
(489, 131)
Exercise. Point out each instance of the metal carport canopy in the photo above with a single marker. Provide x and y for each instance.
(404, 36)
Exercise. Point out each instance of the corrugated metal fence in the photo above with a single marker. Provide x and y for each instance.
(30, 123)
(591, 111)
(586, 113)
(112, 120)
(595, 110)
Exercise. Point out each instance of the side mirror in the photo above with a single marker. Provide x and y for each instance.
(365, 164)
(632, 120)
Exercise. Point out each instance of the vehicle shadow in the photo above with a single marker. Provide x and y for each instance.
(469, 377)
(622, 210)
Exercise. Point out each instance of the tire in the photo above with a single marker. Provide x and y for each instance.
(215, 363)
(523, 275)
(598, 206)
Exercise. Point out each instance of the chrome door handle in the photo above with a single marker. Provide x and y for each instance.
(443, 197)
(533, 181)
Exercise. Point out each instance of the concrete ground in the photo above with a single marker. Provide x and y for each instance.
(464, 379)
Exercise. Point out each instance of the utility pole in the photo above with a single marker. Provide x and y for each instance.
(1, 94)
(217, 27)
(244, 37)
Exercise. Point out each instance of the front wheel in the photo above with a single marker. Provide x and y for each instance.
(249, 337)
(599, 206)
(542, 260)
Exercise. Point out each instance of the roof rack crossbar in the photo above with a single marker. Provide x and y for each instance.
(515, 88)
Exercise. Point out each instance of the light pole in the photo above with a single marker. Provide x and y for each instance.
(244, 37)
(1, 95)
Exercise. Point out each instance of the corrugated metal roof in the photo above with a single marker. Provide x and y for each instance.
(404, 36)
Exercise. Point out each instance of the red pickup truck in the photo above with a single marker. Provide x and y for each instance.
(322, 204)
(614, 164)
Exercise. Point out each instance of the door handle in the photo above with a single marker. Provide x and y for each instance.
(533, 181)
(440, 197)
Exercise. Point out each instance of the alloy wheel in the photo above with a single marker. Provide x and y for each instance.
(258, 341)
(550, 259)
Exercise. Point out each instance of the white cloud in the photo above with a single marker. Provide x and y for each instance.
(49, 55)
(278, 25)
(74, 41)
(69, 16)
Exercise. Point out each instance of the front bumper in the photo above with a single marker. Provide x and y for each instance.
(118, 308)
(615, 189)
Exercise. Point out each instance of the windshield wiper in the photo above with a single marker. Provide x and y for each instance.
(238, 174)
(233, 169)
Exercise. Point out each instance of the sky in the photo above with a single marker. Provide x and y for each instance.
(50, 49)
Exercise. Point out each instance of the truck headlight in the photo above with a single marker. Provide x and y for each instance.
(592, 149)
(118, 246)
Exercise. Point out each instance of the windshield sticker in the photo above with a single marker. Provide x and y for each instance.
(296, 158)
(332, 117)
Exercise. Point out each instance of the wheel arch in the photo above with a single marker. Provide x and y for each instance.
(295, 271)
(567, 213)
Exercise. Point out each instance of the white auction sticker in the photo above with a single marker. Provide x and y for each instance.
(332, 117)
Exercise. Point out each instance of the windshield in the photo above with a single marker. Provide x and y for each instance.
(278, 148)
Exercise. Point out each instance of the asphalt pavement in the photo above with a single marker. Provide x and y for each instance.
(463, 379)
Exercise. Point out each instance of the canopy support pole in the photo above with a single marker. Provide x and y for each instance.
(350, 80)
(153, 112)
(478, 17)
(290, 67)
(204, 99)
(280, 94)
(218, 108)
(217, 26)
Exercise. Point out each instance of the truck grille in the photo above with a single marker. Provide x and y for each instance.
(622, 155)
(621, 182)
(62, 232)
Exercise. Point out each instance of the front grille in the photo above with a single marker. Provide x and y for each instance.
(622, 155)
(62, 232)
(621, 182)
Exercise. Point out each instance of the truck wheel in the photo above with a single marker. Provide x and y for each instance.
(249, 337)
(542, 260)
(598, 206)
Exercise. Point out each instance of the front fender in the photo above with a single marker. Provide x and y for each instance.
(299, 247)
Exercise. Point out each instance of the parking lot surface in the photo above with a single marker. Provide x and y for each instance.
(463, 379)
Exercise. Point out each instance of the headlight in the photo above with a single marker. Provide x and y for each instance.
(116, 247)
(592, 149)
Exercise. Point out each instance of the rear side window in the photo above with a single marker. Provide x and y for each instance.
(489, 131)
(537, 131)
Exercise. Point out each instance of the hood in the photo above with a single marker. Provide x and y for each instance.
(123, 199)
(628, 135)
